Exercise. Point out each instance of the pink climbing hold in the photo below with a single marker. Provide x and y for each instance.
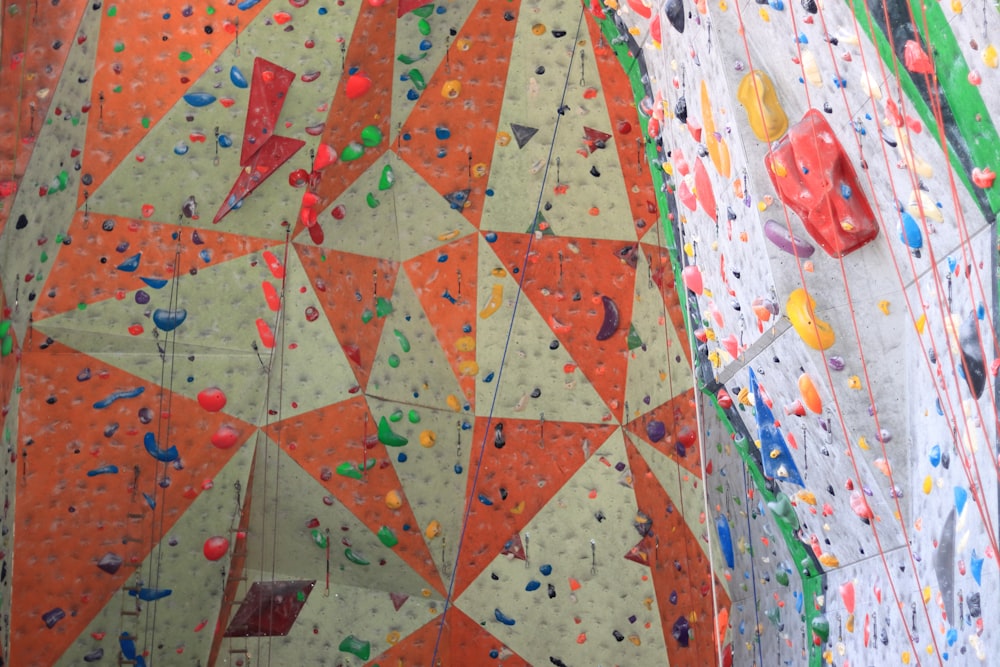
(691, 275)
(212, 399)
(215, 547)
(703, 190)
(265, 333)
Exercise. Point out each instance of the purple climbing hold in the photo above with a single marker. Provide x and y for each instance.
(682, 631)
(656, 430)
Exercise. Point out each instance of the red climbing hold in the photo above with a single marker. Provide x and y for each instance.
(215, 547)
(813, 176)
(212, 399)
(916, 59)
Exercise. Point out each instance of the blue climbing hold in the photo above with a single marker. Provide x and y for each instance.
(935, 456)
(114, 396)
(150, 500)
(236, 76)
(503, 618)
(168, 455)
(533, 585)
(168, 320)
(247, 4)
(199, 99)
(130, 264)
(150, 594)
(961, 495)
(155, 283)
(442, 133)
(725, 539)
(103, 470)
(545, 569)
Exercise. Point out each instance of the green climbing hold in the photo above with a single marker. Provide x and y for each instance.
(357, 647)
(367, 315)
(63, 179)
(781, 576)
(185, 56)
(112, 10)
(386, 435)
(387, 537)
(44, 257)
(407, 60)
(821, 627)
(424, 27)
(210, 10)
(424, 11)
(357, 559)
(387, 178)
(319, 538)
(6, 345)
(403, 343)
(371, 136)
(394, 360)
(119, 47)
(382, 306)
(372, 201)
(4, 328)
(145, 122)
(633, 338)
(354, 471)
(396, 416)
(413, 416)
(781, 506)
(417, 78)
(352, 151)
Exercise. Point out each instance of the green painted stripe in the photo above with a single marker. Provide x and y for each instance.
(972, 116)
(811, 579)
(948, 83)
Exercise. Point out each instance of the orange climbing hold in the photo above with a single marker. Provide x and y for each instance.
(810, 396)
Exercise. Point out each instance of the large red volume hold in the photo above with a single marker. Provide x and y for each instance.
(813, 176)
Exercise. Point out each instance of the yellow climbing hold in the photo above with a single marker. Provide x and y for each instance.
(499, 272)
(883, 305)
(801, 310)
(392, 638)
(863, 444)
(905, 657)
(518, 508)
(468, 368)
(854, 382)
(465, 344)
(503, 138)
(811, 68)
(764, 15)
(829, 560)
(538, 29)
(453, 402)
(927, 594)
(447, 236)
(870, 87)
(990, 56)
(717, 148)
(757, 95)
(921, 323)
(493, 304)
(393, 500)
(451, 89)
(433, 529)
(427, 438)
(807, 497)
(635, 640)
(922, 204)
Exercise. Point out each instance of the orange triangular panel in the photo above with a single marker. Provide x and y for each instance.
(73, 508)
(451, 639)
(690, 584)
(350, 287)
(346, 433)
(268, 90)
(448, 295)
(76, 278)
(672, 429)
(568, 280)
(462, 159)
(508, 489)
(135, 100)
(370, 54)
(275, 152)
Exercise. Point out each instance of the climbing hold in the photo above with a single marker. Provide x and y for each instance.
(163, 455)
(357, 85)
(691, 276)
(609, 325)
(916, 59)
(494, 302)
(522, 133)
(387, 178)
(371, 136)
(809, 168)
(225, 437)
(971, 344)
(757, 94)
(236, 76)
(215, 548)
(351, 644)
(451, 89)
(776, 460)
(725, 539)
(810, 396)
(168, 320)
(265, 333)
(675, 14)
(427, 438)
(387, 537)
(130, 264)
(393, 500)
(800, 309)
(386, 435)
(503, 618)
(910, 234)
(212, 399)
(355, 557)
(352, 152)
(983, 178)
(779, 235)
(433, 529)
(199, 99)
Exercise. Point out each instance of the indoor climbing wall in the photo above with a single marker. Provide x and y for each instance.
(833, 168)
(349, 333)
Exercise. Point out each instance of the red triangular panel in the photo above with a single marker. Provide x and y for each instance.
(274, 153)
(533, 452)
(136, 99)
(372, 52)
(338, 278)
(268, 90)
(407, 6)
(691, 583)
(346, 432)
(461, 641)
(65, 516)
(472, 135)
(75, 278)
(560, 281)
(626, 131)
(448, 294)
(672, 429)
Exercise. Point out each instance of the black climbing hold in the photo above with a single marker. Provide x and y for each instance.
(540, 70)
(22, 222)
(536, 392)
(827, 108)
(494, 577)
(110, 563)
(618, 636)
(503, 493)
(498, 439)
(522, 133)
(558, 33)
(508, 16)
(595, 172)
(810, 6)
(675, 14)
(108, 225)
(681, 110)
(86, 179)
(551, 591)
(554, 345)
(972, 354)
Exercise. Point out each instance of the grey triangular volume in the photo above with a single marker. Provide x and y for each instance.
(523, 133)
